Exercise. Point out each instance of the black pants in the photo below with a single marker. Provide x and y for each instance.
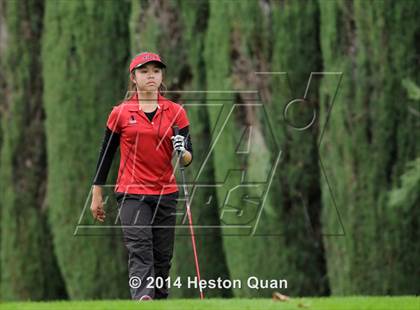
(150, 246)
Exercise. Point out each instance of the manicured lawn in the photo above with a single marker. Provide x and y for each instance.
(350, 303)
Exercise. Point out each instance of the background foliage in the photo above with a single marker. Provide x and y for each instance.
(341, 212)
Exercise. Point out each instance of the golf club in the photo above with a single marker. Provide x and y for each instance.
(187, 202)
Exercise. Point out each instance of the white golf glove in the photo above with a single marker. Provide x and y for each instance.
(179, 143)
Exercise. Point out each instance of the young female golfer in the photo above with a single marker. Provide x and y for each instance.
(146, 188)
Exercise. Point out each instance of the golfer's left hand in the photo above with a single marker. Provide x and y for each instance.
(179, 143)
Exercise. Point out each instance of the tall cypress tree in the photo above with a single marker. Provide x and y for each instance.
(150, 31)
(293, 111)
(245, 37)
(85, 51)
(371, 137)
(209, 240)
(222, 157)
(29, 268)
(228, 54)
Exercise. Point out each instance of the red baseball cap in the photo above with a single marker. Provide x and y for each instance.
(143, 58)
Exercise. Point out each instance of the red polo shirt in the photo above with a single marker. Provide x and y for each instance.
(146, 146)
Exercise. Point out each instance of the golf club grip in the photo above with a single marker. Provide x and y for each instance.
(176, 130)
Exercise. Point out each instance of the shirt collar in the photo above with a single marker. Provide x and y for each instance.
(133, 103)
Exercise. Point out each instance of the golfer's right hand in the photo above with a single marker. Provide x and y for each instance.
(97, 209)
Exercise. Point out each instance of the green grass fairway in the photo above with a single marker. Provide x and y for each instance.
(350, 303)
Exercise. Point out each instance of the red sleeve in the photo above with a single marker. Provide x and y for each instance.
(182, 118)
(113, 122)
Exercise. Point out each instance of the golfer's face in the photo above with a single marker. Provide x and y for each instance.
(148, 77)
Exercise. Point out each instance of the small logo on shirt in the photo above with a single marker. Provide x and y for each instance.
(132, 120)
